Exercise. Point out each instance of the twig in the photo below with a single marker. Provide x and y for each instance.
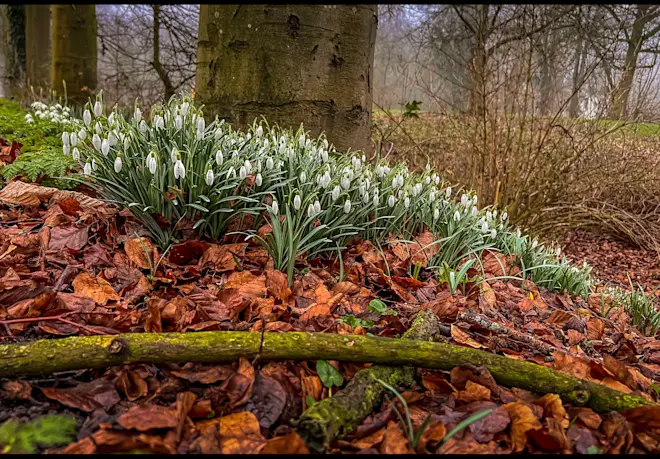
(60, 317)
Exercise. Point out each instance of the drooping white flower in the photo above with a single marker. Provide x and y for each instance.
(178, 122)
(400, 180)
(317, 207)
(484, 227)
(324, 156)
(65, 138)
(87, 170)
(505, 216)
(259, 180)
(432, 196)
(260, 131)
(436, 214)
(248, 166)
(347, 206)
(301, 141)
(495, 213)
(448, 192)
(242, 173)
(105, 147)
(179, 170)
(474, 211)
(336, 191)
(376, 200)
(457, 215)
(406, 202)
(303, 177)
(310, 209)
(111, 119)
(427, 180)
(534, 243)
(345, 183)
(96, 141)
(94, 166)
(558, 251)
(269, 163)
(275, 208)
(98, 109)
(112, 139)
(493, 233)
(118, 164)
(297, 202)
(365, 197)
(66, 149)
(437, 180)
(184, 108)
(209, 177)
(489, 215)
(201, 124)
(98, 128)
(391, 201)
(231, 172)
(464, 199)
(137, 115)
(160, 123)
(73, 138)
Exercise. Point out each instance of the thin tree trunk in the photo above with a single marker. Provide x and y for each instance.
(310, 64)
(162, 73)
(574, 103)
(74, 35)
(37, 45)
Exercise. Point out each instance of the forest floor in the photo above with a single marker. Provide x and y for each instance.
(71, 266)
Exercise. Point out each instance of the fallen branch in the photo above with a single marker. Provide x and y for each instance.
(47, 356)
(338, 415)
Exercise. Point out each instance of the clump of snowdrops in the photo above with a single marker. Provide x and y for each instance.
(174, 170)
(55, 113)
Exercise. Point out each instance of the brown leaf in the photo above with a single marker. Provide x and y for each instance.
(239, 385)
(553, 408)
(141, 252)
(74, 302)
(209, 375)
(16, 390)
(96, 256)
(97, 288)
(131, 384)
(371, 440)
(240, 433)
(484, 430)
(474, 393)
(267, 400)
(595, 328)
(147, 417)
(68, 237)
(184, 253)
(394, 441)
(222, 257)
(288, 444)
(88, 397)
(559, 317)
(522, 421)
(184, 403)
(574, 366)
(620, 371)
(462, 337)
(277, 284)
(433, 434)
(311, 385)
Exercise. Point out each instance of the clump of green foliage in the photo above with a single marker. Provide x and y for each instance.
(642, 309)
(43, 167)
(43, 432)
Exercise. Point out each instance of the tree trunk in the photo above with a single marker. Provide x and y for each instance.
(310, 64)
(574, 103)
(16, 19)
(162, 73)
(37, 45)
(74, 35)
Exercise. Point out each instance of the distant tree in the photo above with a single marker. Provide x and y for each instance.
(37, 45)
(310, 64)
(16, 61)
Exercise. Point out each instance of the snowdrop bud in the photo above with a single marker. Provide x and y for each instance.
(399, 195)
(178, 122)
(437, 180)
(448, 192)
(395, 182)
(427, 180)
(489, 215)
(217, 134)
(87, 170)
(495, 213)
(406, 202)
(303, 177)
(364, 159)
(464, 199)
(87, 117)
(432, 196)
(297, 202)
(376, 200)
(94, 166)
(105, 147)
(317, 207)
(391, 201)
(493, 233)
(160, 123)
(98, 109)
(457, 216)
(310, 210)
(436, 214)
(66, 149)
(219, 158)
(484, 227)
(505, 216)
(534, 243)
(98, 128)
(174, 155)
(324, 156)
(96, 141)
(242, 173)
(259, 180)
(111, 119)
(401, 180)
(275, 208)
(365, 197)
(269, 163)
(347, 206)
(209, 177)
(201, 124)
(179, 170)
(143, 127)
(118, 164)
(112, 139)
(301, 141)
(345, 183)
(248, 166)
(336, 191)
(73, 139)
(474, 211)
(558, 251)
(137, 115)
(184, 108)
(65, 138)
(260, 131)
(231, 172)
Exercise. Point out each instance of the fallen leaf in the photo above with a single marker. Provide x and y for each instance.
(222, 257)
(522, 421)
(68, 237)
(553, 408)
(474, 393)
(97, 288)
(131, 384)
(287, 444)
(147, 417)
(484, 430)
(394, 441)
(141, 252)
(99, 393)
(240, 433)
(267, 400)
(462, 337)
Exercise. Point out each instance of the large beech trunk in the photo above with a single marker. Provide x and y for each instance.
(37, 45)
(293, 64)
(74, 34)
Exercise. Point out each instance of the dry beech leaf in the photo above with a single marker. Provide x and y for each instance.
(462, 337)
(140, 252)
(97, 288)
(394, 441)
(240, 433)
(147, 417)
(287, 444)
(522, 420)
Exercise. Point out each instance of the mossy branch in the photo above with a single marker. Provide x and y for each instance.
(73, 353)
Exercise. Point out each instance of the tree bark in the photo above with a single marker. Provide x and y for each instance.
(16, 64)
(162, 73)
(338, 415)
(37, 45)
(48, 356)
(74, 35)
(310, 64)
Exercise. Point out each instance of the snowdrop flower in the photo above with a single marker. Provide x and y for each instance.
(94, 166)
(301, 141)
(98, 109)
(391, 201)
(105, 147)
(365, 197)
(324, 156)
(178, 122)
(484, 227)
(376, 200)
(209, 177)
(336, 191)
(174, 155)
(29, 119)
(558, 251)
(457, 216)
(242, 173)
(427, 180)
(310, 210)
(495, 213)
(518, 232)
(406, 202)
(111, 119)
(347, 206)
(297, 202)
(260, 131)
(87, 170)
(82, 134)
(325, 143)
(493, 233)
(505, 216)
(96, 141)
(400, 179)
(464, 199)
(73, 138)
(65, 138)
(436, 214)
(259, 180)
(379, 171)
(179, 170)
(151, 163)
(474, 211)
(112, 139)
(275, 208)
(534, 243)
(395, 182)
(489, 215)
(269, 163)
(66, 149)
(160, 123)
(98, 128)
(184, 108)
(217, 134)
(248, 166)
(137, 115)
(118, 164)
(143, 127)
(345, 182)
(303, 177)
(231, 172)
(219, 158)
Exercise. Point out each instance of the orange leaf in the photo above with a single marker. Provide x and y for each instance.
(240, 433)
(288, 444)
(462, 337)
(394, 441)
(522, 420)
(474, 392)
(222, 257)
(141, 252)
(97, 288)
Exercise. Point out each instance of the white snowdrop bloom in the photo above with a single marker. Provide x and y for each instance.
(495, 213)
(217, 134)
(231, 172)
(303, 177)
(534, 243)
(489, 215)
(259, 165)
(362, 190)
(428, 167)
(219, 158)
(260, 131)
(464, 199)
(395, 182)
(400, 178)
(179, 170)
(94, 166)
(347, 206)
(365, 198)
(143, 127)
(105, 147)
(558, 251)
(275, 208)
(308, 143)
(248, 166)
(297, 202)
(457, 216)
(98, 109)
(137, 114)
(65, 138)
(326, 179)
(399, 195)
(269, 163)
(376, 200)
(98, 128)
(82, 134)
(484, 227)
(379, 171)
(324, 155)
(474, 199)
(66, 149)
(505, 216)
(364, 159)
(160, 123)
(518, 232)
(301, 141)
(432, 196)
(406, 202)
(259, 180)
(87, 170)
(73, 138)
(310, 210)
(174, 155)
(336, 191)
(111, 119)
(345, 183)
(493, 233)
(474, 211)
(96, 141)
(178, 122)
(242, 173)
(199, 135)
(118, 164)
(448, 192)
(112, 139)
(282, 148)
(209, 177)
(436, 214)
(391, 201)
(127, 143)
(427, 180)
(437, 180)
(325, 143)
(152, 163)
(184, 108)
